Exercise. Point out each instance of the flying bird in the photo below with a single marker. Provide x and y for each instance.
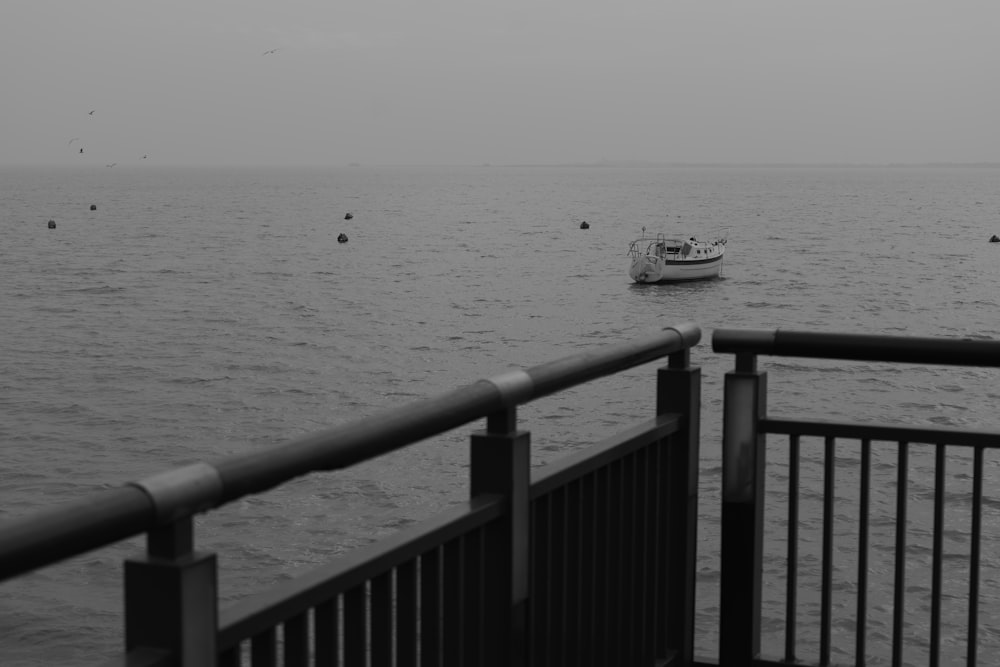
(91, 112)
(270, 52)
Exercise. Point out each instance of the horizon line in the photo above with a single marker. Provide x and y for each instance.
(592, 164)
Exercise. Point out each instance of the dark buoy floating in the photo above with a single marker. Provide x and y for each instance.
(52, 224)
(342, 238)
(349, 216)
(584, 225)
(995, 239)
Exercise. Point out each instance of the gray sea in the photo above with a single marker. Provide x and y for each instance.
(199, 313)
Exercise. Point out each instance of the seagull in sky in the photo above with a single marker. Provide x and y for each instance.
(91, 112)
(270, 52)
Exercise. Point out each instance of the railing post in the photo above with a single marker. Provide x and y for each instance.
(745, 404)
(678, 390)
(500, 464)
(171, 597)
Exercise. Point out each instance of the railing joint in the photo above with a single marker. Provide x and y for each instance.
(746, 362)
(182, 491)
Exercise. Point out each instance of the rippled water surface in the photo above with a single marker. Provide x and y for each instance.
(199, 313)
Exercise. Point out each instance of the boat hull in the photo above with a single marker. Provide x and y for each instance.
(653, 269)
(662, 259)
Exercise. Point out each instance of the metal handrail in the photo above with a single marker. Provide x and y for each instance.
(119, 513)
(858, 347)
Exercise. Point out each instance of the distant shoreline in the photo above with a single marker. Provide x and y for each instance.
(613, 164)
(763, 165)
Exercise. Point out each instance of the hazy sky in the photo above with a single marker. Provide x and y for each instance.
(511, 81)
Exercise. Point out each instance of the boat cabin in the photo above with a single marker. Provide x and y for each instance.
(675, 249)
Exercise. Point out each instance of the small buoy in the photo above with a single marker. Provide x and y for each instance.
(342, 238)
(584, 225)
(349, 216)
(995, 239)
(52, 224)
(93, 207)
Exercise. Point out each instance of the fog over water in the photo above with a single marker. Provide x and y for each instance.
(307, 82)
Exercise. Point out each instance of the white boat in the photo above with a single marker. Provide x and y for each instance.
(665, 259)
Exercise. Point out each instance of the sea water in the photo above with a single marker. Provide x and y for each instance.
(199, 313)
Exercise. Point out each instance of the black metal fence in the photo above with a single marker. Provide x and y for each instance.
(846, 447)
(589, 560)
(592, 562)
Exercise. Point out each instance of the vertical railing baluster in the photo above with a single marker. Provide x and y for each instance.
(587, 517)
(264, 648)
(602, 565)
(864, 504)
(630, 609)
(574, 635)
(614, 564)
(557, 575)
(939, 491)
(743, 457)
(406, 615)
(473, 601)
(431, 612)
(326, 625)
(171, 597)
(972, 648)
(381, 620)
(678, 391)
(501, 464)
(638, 552)
(231, 657)
(644, 560)
(452, 599)
(540, 637)
(356, 627)
(826, 603)
(656, 602)
(296, 640)
(792, 552)
(619, 560)
(899, 594)
(661, 582)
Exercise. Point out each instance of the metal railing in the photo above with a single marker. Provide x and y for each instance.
(746, 425)
(591, 562)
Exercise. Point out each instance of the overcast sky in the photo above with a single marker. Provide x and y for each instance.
(502, 82)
